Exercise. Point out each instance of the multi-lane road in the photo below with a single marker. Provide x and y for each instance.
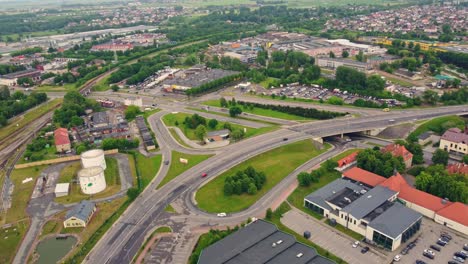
(123, 240)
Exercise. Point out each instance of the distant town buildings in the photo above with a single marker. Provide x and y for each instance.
(62, 141)
(455, 141)
(80, 214)
(112, 47)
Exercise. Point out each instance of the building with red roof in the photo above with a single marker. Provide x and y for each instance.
(347, 161)
(365, 177)
(62, 141)
(400, 151)
(454, 216)
(458, 168)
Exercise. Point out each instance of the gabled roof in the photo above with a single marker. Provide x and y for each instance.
(458, 168)
(363, 176)
(455, 135)
(348, 159)
(61, 136)
(421, 198)
(398, 151)
(457, 212)
(395, 182)
(82, 210)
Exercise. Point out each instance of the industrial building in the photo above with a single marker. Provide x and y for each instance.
(371, 212)
(62, 189)
(333, 63)
(80, 215)
(92, 180)
(145, 133)
(11, 79)
(260, 242)
(93, 158)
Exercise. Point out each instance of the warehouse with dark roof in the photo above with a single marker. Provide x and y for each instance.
(260, 242)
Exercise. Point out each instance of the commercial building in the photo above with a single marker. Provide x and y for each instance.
(11, 79)
(218, 135)
(334, 63)
(80, 214)
(451, 214)
(260, 242)
(62, 189)
(62, 141)
(371, 212)
(400, 151)
(455, 141)
(366, 49)
(145, 133)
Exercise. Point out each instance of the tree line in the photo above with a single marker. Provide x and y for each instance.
(248, 181)
(121, 144)
(296, 110)
(17, 103)
(305, 179)
(74, 106)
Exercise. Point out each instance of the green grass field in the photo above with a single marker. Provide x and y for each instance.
(56, 88)
(261, 112)
(102, 85)
(176, 167)
(112, 181)
(177, 120)
(439, 125)
(276, 164)
(10, 239)
(177, 138)
(148, 167)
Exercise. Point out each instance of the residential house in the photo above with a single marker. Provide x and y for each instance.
(80, 214)
(455, 141)
(62, 141)
(400, 151)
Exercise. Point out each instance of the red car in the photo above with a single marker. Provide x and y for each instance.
(204, 175)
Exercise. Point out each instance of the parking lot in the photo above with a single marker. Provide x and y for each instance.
(429, 234)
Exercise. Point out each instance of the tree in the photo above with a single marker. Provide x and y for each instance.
(465, 159)
(190, 60)
(3, 121)
(375, 83)
(115, 88)
(331, 54)
(330, 165)
(440, 157)
(237, 134)
(200, 132)
(269, 214)
(133, 193)
(213, 123)
(234, 111)
(430, 97)
(4, 92)
(252, 189)
(223, 102)
(360, 56)
(304, 179)
(345, 54)
(228, 188)
(76, 121)
(132, 111)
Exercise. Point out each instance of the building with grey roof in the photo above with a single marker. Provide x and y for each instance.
(80, 214)
(260, 242)
(217, 135)
(372, 213)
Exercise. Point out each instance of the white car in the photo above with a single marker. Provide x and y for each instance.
(397, 258)
(356, 244)
(429, 251)
(221, 214)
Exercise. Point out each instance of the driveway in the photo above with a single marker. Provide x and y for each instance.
(330, 239)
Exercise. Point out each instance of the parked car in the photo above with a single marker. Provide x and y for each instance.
(429, 251)
(428, 255)
(446, 235)
(459, 259)
(465, 247)
(441, 242)
(434, 247)
(460, 255)
(444, 239)
(452, 262)
(285, 139)
(356, 244)
(364, 250)
(221, 214)
(420, 262)
(397, 258)
(411, 245)
(404, 251)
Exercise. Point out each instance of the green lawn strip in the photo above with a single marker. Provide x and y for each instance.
(22, 192)
(227, 115)
(30, 116)
(399, 82)
(176, 168)
(177, 138)
(276, 164)
(346, 231)
(102, 84)
(51, 227)
(284, 207)
(163, 229)
(55, 88)
(169, 209)
(177, 120)
(111, 174)
(10, 239)
(439, 125)
(148, 168)
(261, 111)
(69, 172)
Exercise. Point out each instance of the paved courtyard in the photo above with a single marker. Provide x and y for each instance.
(330, 239)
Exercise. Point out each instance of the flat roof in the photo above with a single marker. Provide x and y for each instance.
(395, 220)
(260, 242)
(62, 187)
(369, 202)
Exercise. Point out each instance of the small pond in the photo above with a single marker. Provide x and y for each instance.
(52, 249)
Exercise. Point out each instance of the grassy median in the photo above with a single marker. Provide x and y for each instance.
(276, 164)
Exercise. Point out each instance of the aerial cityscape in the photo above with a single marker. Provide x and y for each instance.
(240, 132)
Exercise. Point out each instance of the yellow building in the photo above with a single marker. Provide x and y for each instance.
(80, 215)
(455, 141)
(425, 45)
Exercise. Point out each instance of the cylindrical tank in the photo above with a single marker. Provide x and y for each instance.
(92, 158)
(92, 180)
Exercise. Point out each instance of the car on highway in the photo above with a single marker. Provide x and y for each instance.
(166, 162)
(285, 139)
(204, 174)
(356, 244)
(397, 258)
(364, 250)
(221, 215)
